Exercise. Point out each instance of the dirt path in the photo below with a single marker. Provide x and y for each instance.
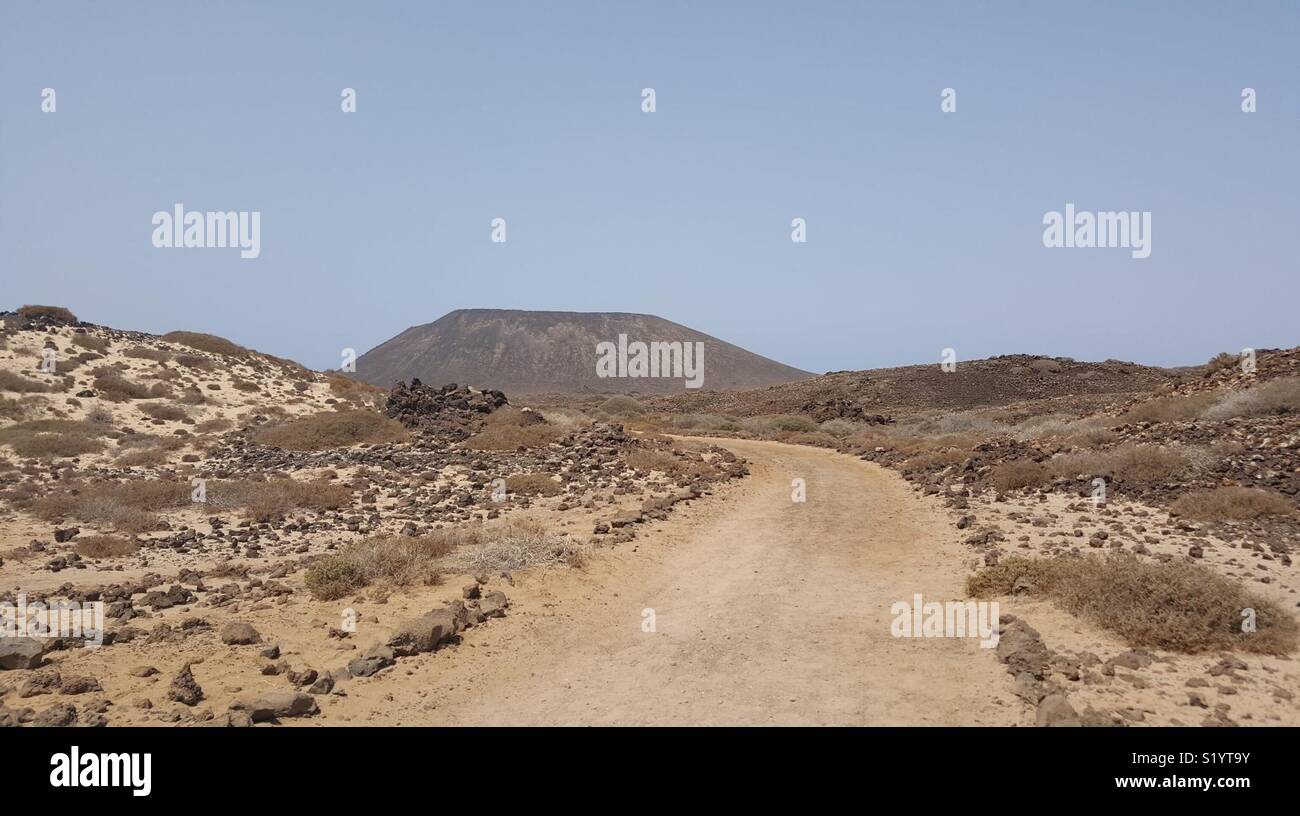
(765, 611)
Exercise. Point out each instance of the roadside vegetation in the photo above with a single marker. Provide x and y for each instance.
(1174, 605)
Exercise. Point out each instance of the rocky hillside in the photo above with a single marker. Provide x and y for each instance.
(885, 392)
(531, 352)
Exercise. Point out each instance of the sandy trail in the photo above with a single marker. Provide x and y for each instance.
(766, 611)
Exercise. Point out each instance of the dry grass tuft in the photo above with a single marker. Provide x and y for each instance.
(332, 429)
(58, 314)
(1132, 463)
(103, 546)
(206, 342)
(146, 353)
(534, 484)
(273, 500)
(399, 560)
(128, 506)
(520, 544)
(1219, 362)
(163, 411)
(1174, 605)
(53, 438)
(12, 381)
(773, 423)
(116, 388)
(90, 341)
(1020, 473)
(621, 406)
(1232, 503)
(508, 429)
(646, 460)
(1170, 409)
(1280, 396)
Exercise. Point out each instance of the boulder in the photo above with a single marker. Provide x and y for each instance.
(374, 659)
(493, 605)
(239, 633)
(425, 633)
(280, 704)
(21, 653)
(184, 688)
(1056, 711)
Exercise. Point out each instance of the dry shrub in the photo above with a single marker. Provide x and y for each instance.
(507, 429)
(351, 389)
(57, 314)
(53, 438)
(622, 406)
(214, 425)
(90, 341)
(1020, 473)
(146, 353)
(151, 441)
(128, 506)
(332, 429)
(399, 560)
(520, 544)
(1219, 362)
(1175, 605)
(647, 460)
(566, 419)
(147, 457)
(702, 422)
(1232, 503)
(246, 386)
(195, 361)
(12, 381)
(146, 450)
(11, 409)
(192, 396)
(533, 484)
(1132, 463)
(1090, 438)
(840, 427)
(206, 342)
(1280, 396)
(273, 500)
(815, 439)
(103, 546)
(943, 424)
(936, 459)
(779, 422)
(1177, 408)
(1045, 364)
(116, 388)
(158, 410)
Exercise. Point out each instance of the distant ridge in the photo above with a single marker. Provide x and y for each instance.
(536, 352)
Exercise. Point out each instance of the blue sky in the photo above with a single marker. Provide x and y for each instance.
(924, 228)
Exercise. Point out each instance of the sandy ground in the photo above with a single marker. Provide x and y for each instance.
(766, 611)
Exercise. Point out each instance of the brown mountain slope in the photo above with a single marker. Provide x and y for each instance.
(533, 352)
(974, 384)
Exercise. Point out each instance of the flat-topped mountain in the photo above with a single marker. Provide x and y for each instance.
(535, 352)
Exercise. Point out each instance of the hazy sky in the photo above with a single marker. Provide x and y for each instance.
(925, 229)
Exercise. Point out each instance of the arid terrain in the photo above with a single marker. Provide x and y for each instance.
(535, 352)
(273, 545)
